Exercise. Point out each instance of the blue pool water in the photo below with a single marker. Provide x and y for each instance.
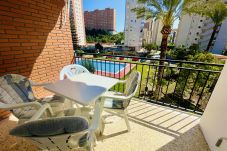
(108, 66)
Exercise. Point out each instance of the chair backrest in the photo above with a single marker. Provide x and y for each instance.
(57, 133)
(72, 70)
(132, 83)
(17, 89)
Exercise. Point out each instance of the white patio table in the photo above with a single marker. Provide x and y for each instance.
(85, 89)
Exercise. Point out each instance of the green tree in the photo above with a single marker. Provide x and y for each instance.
(88, 65)
(167, 11)
(98, 35)
(216, 10)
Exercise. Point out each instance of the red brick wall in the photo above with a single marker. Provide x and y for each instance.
(34, 39)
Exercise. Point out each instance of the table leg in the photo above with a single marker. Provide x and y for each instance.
(97, 123)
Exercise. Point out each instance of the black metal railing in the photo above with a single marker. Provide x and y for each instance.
(186, 85)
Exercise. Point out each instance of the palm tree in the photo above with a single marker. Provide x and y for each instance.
(216, 10)
(167, 11)
(73, 27)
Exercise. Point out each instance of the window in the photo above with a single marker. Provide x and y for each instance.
(199, 26)
(201, 20)
(195, 38)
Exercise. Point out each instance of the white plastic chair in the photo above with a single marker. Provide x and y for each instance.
(65, 132)
(70, 71)
(117, 103)
(17, 96)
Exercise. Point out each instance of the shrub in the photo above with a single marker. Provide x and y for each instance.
(225, 53)
(151, 46)
(182, 53)
(203, 57)
(79, 52)
(170, 46)
(89, 65)
(98, 46)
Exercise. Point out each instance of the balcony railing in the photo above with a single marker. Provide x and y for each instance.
(185, 85)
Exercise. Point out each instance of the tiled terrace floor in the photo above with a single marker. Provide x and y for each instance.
(153, 127)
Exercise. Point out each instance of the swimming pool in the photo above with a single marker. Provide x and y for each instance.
(108, 66)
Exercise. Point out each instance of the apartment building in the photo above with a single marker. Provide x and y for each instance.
(156, 32)
(101, 19)
(77, 12)
(189, 30)
(152, 32)
(147, 31)
(195, 29)
(133, 26)
(172, 36)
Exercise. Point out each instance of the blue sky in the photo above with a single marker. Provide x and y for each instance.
(119, 5)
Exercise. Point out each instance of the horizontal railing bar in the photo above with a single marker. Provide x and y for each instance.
(156, 65)
(166, 60)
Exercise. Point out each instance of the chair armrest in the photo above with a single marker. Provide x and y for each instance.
(121, 81)
(116, 96)
(38, 84)
(37, 105)
(41, 111)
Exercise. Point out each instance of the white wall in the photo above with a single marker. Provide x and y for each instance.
(133, 25)
(183, 30)
(156, 32)
(214, 120)
(189, 30)
(79, 22)
(221, 40)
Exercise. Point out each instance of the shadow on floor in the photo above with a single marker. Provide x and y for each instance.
(192, 140)
(170, 121)
(11, 143)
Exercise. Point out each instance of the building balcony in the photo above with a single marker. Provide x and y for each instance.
(153, 128)
(36, 42)
(168, 124)
(179, 89)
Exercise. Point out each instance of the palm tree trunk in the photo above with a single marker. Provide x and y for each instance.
(212, 38)
(165, 34)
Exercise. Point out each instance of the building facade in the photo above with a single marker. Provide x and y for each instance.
(172, 36)
(152, 32)
(195, 29)
(101, 19)
(133, 26)
(79, 21)
(156, 32)
(147, 32)
(189, 30)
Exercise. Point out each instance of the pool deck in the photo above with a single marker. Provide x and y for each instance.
(120, 74)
